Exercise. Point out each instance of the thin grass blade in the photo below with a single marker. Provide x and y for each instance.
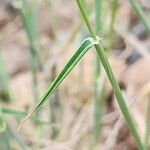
(121, 101)
(85, 46)
(21, 114)
(5, 92)
(98, 93)
(137, 8)
(2, 122)
(28, 12)
(112, 23)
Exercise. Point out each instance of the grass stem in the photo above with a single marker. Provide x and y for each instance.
(29, 16)
(137, 8)
(98, 93)
(112, 23)
(122, 104)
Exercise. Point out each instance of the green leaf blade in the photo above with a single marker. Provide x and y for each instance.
(2, 122)
(139, 11)
(85, 46)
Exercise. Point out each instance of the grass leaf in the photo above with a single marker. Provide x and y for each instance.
(5, 92)
(20, 114)
(98, 93)
(28, 13)
(104, 60)
(2, 122)
(137, 8)
(85, 46)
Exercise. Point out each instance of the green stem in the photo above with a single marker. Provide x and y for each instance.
(2, 121)
(98, 93)
(29, 17)
(136, 6)
(5, 90)
(98, 16)
(123, 106)
(113, 17)
(86, 19)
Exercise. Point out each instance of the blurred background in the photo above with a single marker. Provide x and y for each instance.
(37, 38)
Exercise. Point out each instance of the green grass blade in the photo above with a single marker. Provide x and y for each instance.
(2, 121)
(122, 104)
(28, 12)
(98, 105)
(112, 23)
(21, 114)
(98, 15)
(137, 8)
(99, 101)
(5, 92)
(16, 113)
(121, 101)
(85, 46)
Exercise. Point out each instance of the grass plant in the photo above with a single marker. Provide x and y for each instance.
(2, 121)
(139, 11)
(98, 98)
(121, 101)
(112, 23)
(5, 90)
(123, 106)
(28, 12)
(85, 46)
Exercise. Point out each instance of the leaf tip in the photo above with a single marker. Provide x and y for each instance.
(24, 121)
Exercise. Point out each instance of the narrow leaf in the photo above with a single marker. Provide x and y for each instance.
(121, 101)
(85, 46)
(2, 122)
(139, 11)
(98, 92)
(20, 114)
(5, 92)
